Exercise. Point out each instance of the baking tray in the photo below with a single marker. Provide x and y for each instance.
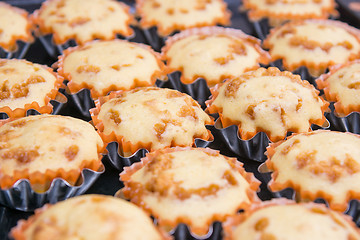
(108, 183)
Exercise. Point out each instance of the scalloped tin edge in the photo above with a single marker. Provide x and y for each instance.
(22, 197)
(349, 123)
(252, 149)
(22, 49)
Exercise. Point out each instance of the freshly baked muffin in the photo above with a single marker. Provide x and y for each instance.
(195, 186)
(150, 118)
(26, 85)
(213, 53)
(14, 26)
(83, 20)
(287, 220)
(280, 11)
(176, 15)
(267, 100)
(342, 86)
(315, 44)
(88, 217)
(104, 66)
(319, 164)
(44, 147)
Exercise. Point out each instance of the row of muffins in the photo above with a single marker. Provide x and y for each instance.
(261, 227)
(96, 20)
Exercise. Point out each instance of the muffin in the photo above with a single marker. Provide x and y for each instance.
(104, 66)
(88, 217)
(167, 184)
(269, 101)
(320, 164)
(26, 85)
(171, 16)
(150, 118)
(83, 20)
(15, 26)
(315, 44)
(278, 11)
(212, 53)
(341, 85)
(44, 147)
(283, 219)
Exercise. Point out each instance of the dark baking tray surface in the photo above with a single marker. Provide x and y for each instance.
(109, 183)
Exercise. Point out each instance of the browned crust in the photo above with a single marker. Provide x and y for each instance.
(137, 196)
(47, 108)
(264, 57)
(322, 83)
(145, 23)
(255, 13)
(74, 87)
(18, 232)
(12, 46)
(304, 194)
(234, 221)
(314, 68)
(124, 145)
(43, 30)
(272, 71)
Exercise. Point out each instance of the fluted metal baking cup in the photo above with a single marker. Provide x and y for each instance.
(22, 48)
(252, 149)
(119, 162)
(22, 197)
(349, 123)
(198, 90)
(261, 28)
(82, 102)
(182, 232)
(151, 37)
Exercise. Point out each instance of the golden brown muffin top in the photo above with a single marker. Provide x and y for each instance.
(213, 53)
(195, 186)
(43, 144)
(104, 66)
(267, 100)
(83, 20)
(318, 164)
(287, 220)
(14, 26)
(151, 118)
(342, 86)
(88, 217)
(174, 15)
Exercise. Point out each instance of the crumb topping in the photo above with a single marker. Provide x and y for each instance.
(179, 15)
(83, 20)
(104, 66)
(269, 222)
(214, 54)
(268, 100)
(22, 82)
(323, 161)
(170, 179)
(115, 218)
(313, 43)
(45, 142)
(161, 117)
